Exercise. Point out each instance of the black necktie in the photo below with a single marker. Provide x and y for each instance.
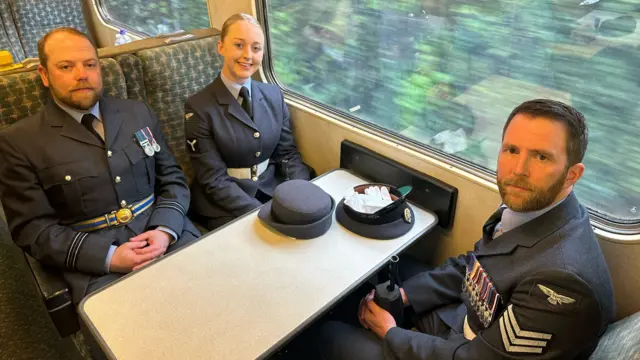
(87, 122)
(246, 101)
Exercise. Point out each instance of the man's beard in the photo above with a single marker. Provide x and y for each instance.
(85, 103)
(533, 200)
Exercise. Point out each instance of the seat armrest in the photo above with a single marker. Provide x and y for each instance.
(57, 297)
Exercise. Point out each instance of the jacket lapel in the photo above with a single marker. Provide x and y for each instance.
(69, 127)
(530, 233)
(232, 106)
(257, 102)
(111, 120)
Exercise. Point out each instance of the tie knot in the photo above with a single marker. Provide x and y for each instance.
(244, 93)
(87, 119)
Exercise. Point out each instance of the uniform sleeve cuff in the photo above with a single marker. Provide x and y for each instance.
(170, 232)
(107, 263)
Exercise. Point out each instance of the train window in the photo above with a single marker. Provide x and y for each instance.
(156, 17)
(447, 73)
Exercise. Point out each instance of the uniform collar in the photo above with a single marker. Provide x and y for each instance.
(529, 233)
(78, 114)
(234, 88)
(512, 219)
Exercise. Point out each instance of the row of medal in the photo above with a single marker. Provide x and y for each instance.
(147, 141)
(482, 294)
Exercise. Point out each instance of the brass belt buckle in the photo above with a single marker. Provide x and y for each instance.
(124, 216)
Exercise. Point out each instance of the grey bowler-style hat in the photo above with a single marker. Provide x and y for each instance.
(299, 209)
(388, 223)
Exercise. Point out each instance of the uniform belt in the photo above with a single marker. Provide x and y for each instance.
(249, 173)
(115, 218)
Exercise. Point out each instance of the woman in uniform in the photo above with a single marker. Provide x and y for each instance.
(238, 132)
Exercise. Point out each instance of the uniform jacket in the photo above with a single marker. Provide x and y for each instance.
(548, 279)
(223, 136)
(53, 173)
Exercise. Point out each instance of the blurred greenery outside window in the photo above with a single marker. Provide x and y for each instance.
(158, 17)
(447, 73)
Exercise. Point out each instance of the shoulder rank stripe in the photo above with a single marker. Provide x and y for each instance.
(525, 333)
(516, 340)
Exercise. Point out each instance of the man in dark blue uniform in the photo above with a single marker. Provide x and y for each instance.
(536, 286)
(89, 184)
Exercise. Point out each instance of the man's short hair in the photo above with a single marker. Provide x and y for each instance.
(43, 42)
(577, 134)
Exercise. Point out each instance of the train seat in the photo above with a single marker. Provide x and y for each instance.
(33, 19)
(620, 341)
(9, 39)
(622, 338)
(25, 329)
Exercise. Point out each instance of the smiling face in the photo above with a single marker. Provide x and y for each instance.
(532, 165)
(72, 71)
(242, 49)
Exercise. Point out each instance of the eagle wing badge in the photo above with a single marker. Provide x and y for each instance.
(555, 298)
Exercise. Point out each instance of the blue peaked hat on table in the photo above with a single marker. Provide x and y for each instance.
(389, 222)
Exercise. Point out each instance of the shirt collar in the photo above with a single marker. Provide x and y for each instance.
(234, 88)
(512, 219)
(78, 114)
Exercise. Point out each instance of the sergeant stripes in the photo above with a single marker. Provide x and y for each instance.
(515, 339)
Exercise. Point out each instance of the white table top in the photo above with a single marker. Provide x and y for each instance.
(239, 291)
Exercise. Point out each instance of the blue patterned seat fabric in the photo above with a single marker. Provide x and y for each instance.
(9, 39)
(34, 18)
(132, 69)
(620, 341)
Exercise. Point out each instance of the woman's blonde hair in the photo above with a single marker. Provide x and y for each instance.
(234, 19)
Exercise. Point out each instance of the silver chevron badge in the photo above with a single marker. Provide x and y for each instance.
(555, 298)
(515, 339)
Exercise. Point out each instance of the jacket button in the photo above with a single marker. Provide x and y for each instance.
(123, 203)
(258, 154)
(256, 135)
(117, 179)
(109, 153)
(68, 178)
(254, 178)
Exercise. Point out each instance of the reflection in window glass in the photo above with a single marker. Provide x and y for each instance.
(158, 17)
(448, 73)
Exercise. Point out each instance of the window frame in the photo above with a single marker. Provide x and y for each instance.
(606, 224)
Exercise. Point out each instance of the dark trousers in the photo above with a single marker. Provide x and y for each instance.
(347, 339)
(342, 341)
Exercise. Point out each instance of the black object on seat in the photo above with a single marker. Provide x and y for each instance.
(25, 328)
(56, 296)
